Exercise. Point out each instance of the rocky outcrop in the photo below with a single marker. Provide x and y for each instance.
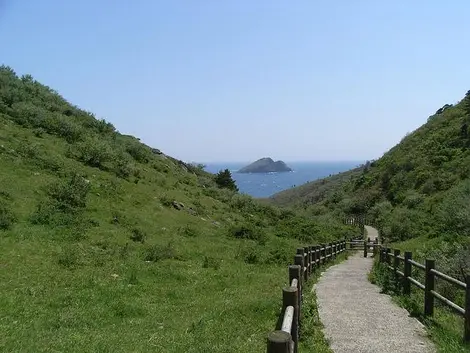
(265, 165)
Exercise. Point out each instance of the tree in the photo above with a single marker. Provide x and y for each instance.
(224, 179)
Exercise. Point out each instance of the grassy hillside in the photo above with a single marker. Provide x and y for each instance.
(418, 188)
(108, 245)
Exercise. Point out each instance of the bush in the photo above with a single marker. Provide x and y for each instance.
(211, 262)
(138, 235)
(65, 203)
(139, 152)
(157, 253)
(247, 231)
(188, 231)
(7, 218)
(94, 152)
(454, 211)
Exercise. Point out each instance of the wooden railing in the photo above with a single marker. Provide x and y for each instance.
(286, 338)
(403, 278)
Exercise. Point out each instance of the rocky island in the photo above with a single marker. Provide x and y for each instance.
(265, 165)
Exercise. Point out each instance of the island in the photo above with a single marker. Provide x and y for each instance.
(265, 165)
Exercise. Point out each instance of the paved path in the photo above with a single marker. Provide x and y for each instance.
(343, 292)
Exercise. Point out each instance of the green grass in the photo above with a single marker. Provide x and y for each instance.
(94, 256)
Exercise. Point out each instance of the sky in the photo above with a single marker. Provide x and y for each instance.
(211, 80)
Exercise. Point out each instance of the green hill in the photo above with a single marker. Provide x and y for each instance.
(107, 244)
(420, 189)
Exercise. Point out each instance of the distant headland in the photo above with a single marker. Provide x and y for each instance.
(265, 165)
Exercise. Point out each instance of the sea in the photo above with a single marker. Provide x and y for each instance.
(268, 184)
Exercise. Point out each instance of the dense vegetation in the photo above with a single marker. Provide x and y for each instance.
(107, 244)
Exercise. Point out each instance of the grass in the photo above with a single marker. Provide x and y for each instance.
(125, 249)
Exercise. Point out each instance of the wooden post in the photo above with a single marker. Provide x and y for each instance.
(331, 251)
(387, 257)
(396, 264)
(299, 261)
(428, 287)
(466, 336)
(300, 252)
(294, 273)
(290, 298)
(318, 252)
(279, 342)
(334, 250)
(306, 273)
(322, 254)
(407, 272)
(314, 257)
(365, 248)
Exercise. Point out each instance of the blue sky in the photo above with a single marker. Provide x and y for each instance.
(211, 80)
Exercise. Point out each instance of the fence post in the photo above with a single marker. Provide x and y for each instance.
(331, 251)
(334, 249)
(314, 257)
(407, 272)
(300, 252)
(396, 264)
(365, 248)
(307, 272)
(387, 258)
(279, 342)
(322, 257)
(428, 287)
(318, 252)
(466, 336)
(294, 273)
(289, 298)
(299, 261)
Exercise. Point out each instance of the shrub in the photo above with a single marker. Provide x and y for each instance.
(157, 253)
(138, 235)
(7, 218)
(188, 231)
(94, 152)
(65, 203)
(166, 200)
(249, 254)
(454, 211)
(247, 231)
(211, 262)
(138, 151)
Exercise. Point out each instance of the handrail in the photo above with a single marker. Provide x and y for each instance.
(288, 318)
(446, 301)
(449, 279)
(306, 260)
(417, 264)
(404, 279)
(416, 283)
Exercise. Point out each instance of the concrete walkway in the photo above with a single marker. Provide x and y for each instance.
(357, 318)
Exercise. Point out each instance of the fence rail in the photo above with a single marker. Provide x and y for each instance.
(404, 279)
(285, 338)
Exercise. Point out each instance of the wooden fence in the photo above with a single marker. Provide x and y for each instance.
(285, 339)
(403, 279)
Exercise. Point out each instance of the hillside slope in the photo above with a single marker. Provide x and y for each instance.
(108, 245)
(420, 188)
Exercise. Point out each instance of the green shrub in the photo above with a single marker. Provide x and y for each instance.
(65, 202)
(157, 253)
(188, 231)
(247, 231)
(138, 235)
(94, 152)
(7, 217)
(211, 262)
(139, 152)
(166, 200)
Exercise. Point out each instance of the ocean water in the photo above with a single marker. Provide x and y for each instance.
(264, 185)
